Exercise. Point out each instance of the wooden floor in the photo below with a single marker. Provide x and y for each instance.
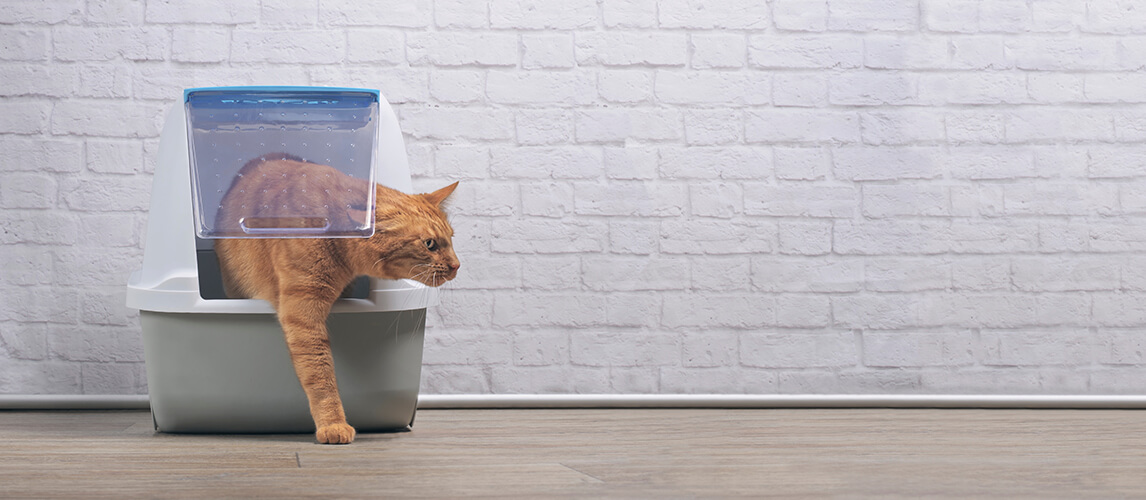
(595, 453)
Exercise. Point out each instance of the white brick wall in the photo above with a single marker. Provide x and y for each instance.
(794, 196)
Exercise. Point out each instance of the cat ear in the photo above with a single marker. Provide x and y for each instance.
(437, 197)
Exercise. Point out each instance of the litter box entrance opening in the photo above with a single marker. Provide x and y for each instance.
(211, 275)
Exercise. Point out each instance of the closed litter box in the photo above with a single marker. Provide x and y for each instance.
(218, 365)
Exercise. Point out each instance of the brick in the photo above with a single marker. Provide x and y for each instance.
(540, 347)
(627, 163)
(28, 190)
(708, 349)
(463, 309)
(890, 237)
(457, 86)
(712, 127)
(105, 307)
(799, 200)
(402, 14)
(23, 266)
(1035, 348)
(918, 349)
(114, 157)
(38, 80)
(974, 127)
(873, 15)
(873, 88)
(803, 311)
(541, 88)
(947, 16)
(290, 13)
(24, 45)
(624, 48)
(601, 126)
(715, 162)
(906, 274)
(111, 230)
(720, 310)
(801, 126)
(711, 14)
(999, 88)
(725, 273)
(93, 265)
(919, 52)
(200, 44)
(104, 44)
(716, 237)
(112, 378)
(633, 237)
(1057, 16)
(106, 193)
(399, 85)
(898, 128)
(887, 163)
(624, 349)
(548, 236)
(625, 86)
(1118, 17)
(782, 349)
(657, 125)
(1011, 16)
(977, 200)
(1057, 274)
(539, 15)
(106, 118)
(456, 380)
(999, 310)
(713, 51)
(24, 341)
(547, 51)
(803, 274)
(722, 199)
(41, 155)
(546, 162)
(547, 380)
(293, 46)
(544, 127)
(1065, 162)
(551, 272)
(487, 199)
(633, 309)
(456, 123)
(898, 200)
(461, 161)
(991, 163)
(209, 12)
(630, 14)
(979, 52)
(1061, 53)
(802, 163)
(547, 199)
(804, 52)
(985, 237)
(104, 81)
(640, 199)
(379, 46)
(24, 117)
(462, 49)
(805, 238)
(461, 14)
(38, 12)
(629, 273)
(713, 88)
(1060, 199)
(800, 89)
(467, 347)
(548, 309)
(40, 377)
(981, 273)
(1120, 347)
(38, 227)
(42, 304)
(1115, 162)
(800, 15)
(876, 311)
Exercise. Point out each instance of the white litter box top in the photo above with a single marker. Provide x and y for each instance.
(168, 280)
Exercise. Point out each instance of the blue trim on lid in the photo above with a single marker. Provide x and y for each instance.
(280, 88)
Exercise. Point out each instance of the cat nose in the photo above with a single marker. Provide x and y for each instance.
(455, 266)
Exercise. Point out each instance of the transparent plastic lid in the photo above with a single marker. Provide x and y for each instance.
(282, 162)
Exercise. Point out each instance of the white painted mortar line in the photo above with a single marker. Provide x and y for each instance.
(475, 401)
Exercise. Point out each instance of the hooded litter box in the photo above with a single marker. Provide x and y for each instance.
(221, 365)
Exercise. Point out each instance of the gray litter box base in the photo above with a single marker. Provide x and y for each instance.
(231, 373)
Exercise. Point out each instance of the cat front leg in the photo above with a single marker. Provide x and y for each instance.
(303, 319)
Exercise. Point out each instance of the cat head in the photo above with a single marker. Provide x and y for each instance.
(412, 238)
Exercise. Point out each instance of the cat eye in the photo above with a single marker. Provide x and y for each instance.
(431, 245)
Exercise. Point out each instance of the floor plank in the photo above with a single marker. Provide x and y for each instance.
(595, 453)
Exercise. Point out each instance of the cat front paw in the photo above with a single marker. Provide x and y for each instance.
(335, 434)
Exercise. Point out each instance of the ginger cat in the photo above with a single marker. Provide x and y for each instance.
(302, 277)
